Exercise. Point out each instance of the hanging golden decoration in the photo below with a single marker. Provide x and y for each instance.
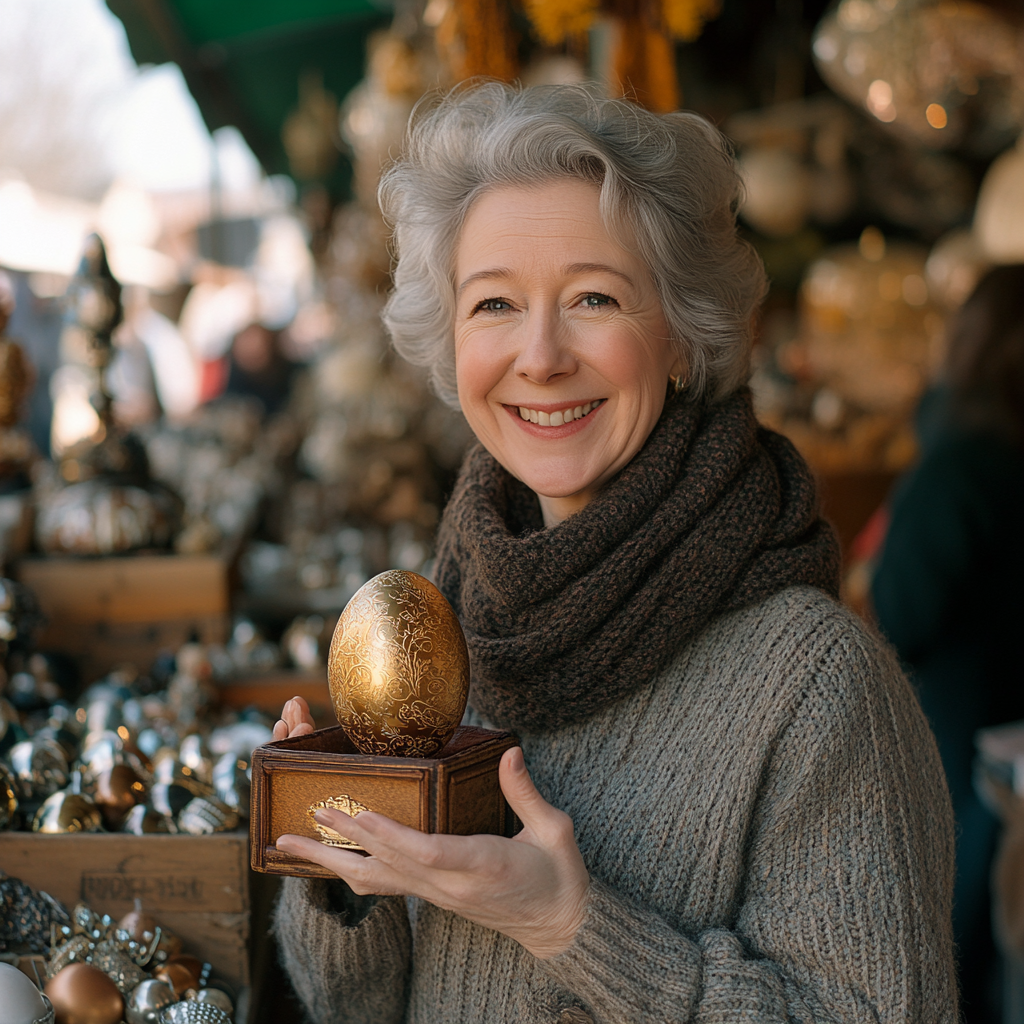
(685, 19)
(557, 20)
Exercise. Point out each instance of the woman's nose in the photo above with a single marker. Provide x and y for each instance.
(544, 354)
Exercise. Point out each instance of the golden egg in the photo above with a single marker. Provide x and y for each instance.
(137, 923)
(81, 994)
(398, 667)
(118, 790)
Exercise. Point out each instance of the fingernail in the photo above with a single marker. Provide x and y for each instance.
(295, 697)
(516, 762)
(324, 818)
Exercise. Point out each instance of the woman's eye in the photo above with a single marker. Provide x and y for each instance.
(595, 300)
(492, 306)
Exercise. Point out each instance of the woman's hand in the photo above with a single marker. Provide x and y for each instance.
(295, 720)
(531, 888)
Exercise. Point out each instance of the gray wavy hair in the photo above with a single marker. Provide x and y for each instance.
(668, 191)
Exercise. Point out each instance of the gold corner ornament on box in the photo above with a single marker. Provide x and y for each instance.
(398, 672)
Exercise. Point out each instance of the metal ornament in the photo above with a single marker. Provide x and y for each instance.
(67, 812)
(193, 1012)
(117, 965)
(144, 819)
(148, 1000)
(22, 1002)
(40, 766)
(27, 917)
(8, 797)
(215, 997)
(344, 803)
(398, 667)
(205, 815)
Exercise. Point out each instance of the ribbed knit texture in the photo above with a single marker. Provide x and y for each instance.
(714, 513)
(769, 839)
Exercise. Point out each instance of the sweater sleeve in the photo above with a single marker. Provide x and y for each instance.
(844, 911)
(348, 957)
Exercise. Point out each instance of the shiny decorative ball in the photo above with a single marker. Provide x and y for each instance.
(81, 994)
(20, 1001)
(40, 766)
(118, 790)
(398, 667)
(215, 997)
(178, 976)
(192, 1012)
(148, 1001)
(137, 922)
(67, 812)
(118, 966)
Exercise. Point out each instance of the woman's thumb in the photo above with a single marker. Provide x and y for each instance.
(519, 790)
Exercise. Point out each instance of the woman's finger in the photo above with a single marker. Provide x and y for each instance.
(364, 875)
(280, 729)
(399, 846)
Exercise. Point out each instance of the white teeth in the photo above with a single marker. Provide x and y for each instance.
(557, 418)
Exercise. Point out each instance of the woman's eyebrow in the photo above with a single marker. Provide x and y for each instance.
(590, 268)
(483, 275)
(569, 271)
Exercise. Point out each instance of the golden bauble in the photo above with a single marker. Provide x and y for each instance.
(179, 976)
(398, 667)
(118, 790)
(137, 923)
(67, 812)
(81, 994)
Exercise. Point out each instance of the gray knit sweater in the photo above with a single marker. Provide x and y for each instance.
(768, 835)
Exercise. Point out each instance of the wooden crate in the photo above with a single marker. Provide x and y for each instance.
(105, 612)
(268, 691)
(198, 886)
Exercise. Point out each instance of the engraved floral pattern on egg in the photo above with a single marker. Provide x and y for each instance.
(398, 667)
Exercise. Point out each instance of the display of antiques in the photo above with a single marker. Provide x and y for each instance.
(129, 756)
(109, 503)
(398, 672)
(94, 970)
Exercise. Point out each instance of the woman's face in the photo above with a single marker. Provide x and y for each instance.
(554, 318)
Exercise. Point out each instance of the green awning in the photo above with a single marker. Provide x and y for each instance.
(243, 59)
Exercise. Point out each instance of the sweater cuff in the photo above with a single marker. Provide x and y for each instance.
(624, 956)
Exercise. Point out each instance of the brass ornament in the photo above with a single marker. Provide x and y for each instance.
(118, 790)
(398, 667)
(76, 949)
(180, 977)
(343, 803)
(144, 819)
(82, 994)
(40, 766)
(67, 812)
(8, 797)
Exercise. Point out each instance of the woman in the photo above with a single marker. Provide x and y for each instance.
(733, 807)
(947, 591)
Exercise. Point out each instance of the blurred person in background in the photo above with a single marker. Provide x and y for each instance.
(258, 368)
(948, 590)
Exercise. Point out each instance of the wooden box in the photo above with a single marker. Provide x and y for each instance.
(456, 793)
(105, 612)
(198, 886)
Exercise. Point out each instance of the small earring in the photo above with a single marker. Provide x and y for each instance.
(678, 383)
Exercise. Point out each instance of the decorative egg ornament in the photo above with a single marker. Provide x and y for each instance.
(398, 667)
(81, 994)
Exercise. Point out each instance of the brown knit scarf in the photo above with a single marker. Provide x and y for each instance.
(714, 513)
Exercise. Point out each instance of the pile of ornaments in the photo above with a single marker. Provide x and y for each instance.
(103, 972)
(125, 761)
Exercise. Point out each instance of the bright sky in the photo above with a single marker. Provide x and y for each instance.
(75, 112)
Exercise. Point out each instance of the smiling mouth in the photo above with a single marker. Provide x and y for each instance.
(560, 416)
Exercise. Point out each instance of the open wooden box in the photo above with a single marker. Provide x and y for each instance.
(456, 793)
